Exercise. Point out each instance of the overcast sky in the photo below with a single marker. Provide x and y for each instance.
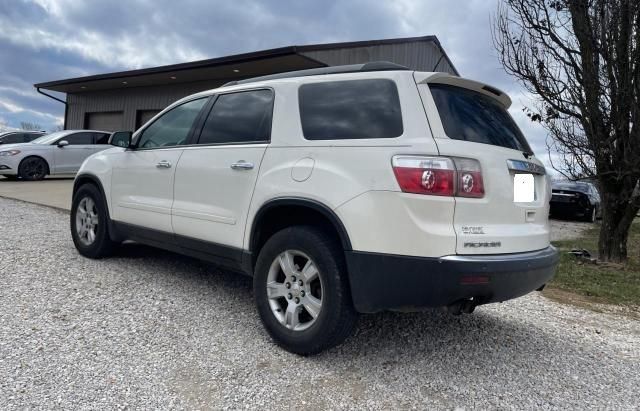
(44, 40)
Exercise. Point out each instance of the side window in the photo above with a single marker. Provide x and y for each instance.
(239, 118)
(12, 138)
(353, 109)
(79, 139)
(173, 127)
(102, 138)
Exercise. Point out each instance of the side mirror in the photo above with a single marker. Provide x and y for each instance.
(121, 139)
(63, 143)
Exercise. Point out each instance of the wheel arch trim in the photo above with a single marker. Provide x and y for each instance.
(323, 209)
(86, 177)
(80, 178)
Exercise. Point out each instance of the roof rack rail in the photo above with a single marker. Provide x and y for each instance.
(351, 68)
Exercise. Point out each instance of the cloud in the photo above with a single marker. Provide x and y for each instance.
(44, 40)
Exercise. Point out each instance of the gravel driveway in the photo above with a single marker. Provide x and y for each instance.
(567, 229)
(149, 329)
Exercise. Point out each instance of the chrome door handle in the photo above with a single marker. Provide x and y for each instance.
(163, 164)
(242, 165)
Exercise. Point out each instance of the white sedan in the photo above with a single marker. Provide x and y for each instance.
(62, 152)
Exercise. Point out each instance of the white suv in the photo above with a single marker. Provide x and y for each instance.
(342, 190)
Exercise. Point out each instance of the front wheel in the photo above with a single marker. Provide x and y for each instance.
(302, 292)
(33, 169)
(89, 223)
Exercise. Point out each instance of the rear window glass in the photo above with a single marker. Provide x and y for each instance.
(574, 186)
(472, 116)
(353, 109)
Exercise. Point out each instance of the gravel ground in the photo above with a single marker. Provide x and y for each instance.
(150, 329)
(567, 230)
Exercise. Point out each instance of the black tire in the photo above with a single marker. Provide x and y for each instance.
(590, 215)
(101, 246)
(33, 169)
(336, 319)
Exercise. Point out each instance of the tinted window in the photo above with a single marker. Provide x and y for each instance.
(173, 127)
(102, 138)
(79, 139)
(12, 139)
(239, 118)
(31, 136)
(472, 116)
(574, 186)
(350, 110)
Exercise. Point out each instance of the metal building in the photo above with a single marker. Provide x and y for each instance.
(125, 100)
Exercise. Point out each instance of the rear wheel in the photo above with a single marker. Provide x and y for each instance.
(89, 223)
(33, 169)
(301, 291)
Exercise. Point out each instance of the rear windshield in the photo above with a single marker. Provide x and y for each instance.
(573, 186)
(472, 116)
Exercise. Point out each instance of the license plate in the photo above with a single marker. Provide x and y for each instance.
(523, 188)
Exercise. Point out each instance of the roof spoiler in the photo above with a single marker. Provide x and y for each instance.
(351, 68)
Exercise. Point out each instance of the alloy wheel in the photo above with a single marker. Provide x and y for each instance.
(34, 168)
(294, 290)
(87, 221)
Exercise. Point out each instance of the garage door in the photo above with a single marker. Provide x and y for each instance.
(142, 116)
(111, 121)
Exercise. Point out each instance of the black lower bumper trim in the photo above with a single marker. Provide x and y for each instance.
(382, 282)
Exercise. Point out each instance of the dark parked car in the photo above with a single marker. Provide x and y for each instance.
(575, 199)
(14, 137)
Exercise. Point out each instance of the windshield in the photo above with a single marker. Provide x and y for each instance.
(49, 138)
(472, 116)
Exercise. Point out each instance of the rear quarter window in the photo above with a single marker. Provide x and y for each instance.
(353, 109)
(472, 116)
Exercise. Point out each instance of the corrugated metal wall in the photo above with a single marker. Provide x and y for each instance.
(128, 100)
(417, 55)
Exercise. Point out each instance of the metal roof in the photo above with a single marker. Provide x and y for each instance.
(227, 68)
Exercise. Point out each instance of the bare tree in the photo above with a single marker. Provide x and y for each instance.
(581, 59)
(3, 126)
(29, 126)
(57, 127)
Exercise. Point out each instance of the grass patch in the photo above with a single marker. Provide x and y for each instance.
(602, 283)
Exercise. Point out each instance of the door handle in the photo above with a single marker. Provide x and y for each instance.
(242, 165)
(163, 164)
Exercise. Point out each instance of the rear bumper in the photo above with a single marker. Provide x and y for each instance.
(558, 207)
(382, 282)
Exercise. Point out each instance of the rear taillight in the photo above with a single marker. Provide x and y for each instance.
(425, 175)
(470, 182)
(441, 176)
